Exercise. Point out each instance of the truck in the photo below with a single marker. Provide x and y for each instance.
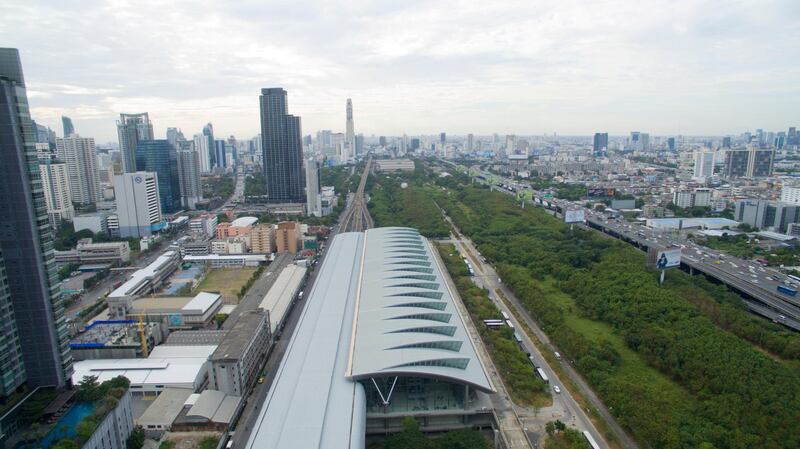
(787, 291)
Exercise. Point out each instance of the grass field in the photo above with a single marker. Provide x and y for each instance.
(226, 281)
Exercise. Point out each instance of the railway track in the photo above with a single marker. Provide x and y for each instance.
(357, 218)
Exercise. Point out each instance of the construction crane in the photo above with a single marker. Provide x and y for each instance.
(142, 335)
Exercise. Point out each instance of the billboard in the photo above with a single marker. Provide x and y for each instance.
(525, 195)
(601, 192)
(662, 258)
(623, 204)
(574, 216)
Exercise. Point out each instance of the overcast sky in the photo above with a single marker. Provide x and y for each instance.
(525, 67)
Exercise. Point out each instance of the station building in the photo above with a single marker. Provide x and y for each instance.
(380, 338)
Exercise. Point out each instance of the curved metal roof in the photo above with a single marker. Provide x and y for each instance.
(406, 322)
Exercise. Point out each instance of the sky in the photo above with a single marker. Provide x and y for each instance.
(570, 67)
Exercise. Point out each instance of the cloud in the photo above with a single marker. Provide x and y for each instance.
(575, 67)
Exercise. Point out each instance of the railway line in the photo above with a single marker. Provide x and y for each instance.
(356, 217)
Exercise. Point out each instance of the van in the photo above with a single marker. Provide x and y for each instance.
(558, 356)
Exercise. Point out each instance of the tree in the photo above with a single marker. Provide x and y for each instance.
(550, 428)
(88, 389)
(66, 443)
(136, 439)
(560, 426)
(410, 437)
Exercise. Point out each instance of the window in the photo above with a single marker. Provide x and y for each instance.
(414, 269)
(441, 330)
(425, 285)
(440, 317)
(430, 295)
(423, 305)
(447, 363)
(450, 345)
(419, 277)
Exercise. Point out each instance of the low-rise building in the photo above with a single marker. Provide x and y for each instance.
(109, 252)
(262, 237)
(150, 277)
(287, 237)
(229, 260)
(387, 165)
(205, 224)
(236, 362)
(196, 312)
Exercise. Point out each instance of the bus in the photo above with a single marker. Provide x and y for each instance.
(787, 291)
(494, 324)
(505, 316)
(510, 324)
(590, 439)
(541, 374)
(793, 278)
(518, 339)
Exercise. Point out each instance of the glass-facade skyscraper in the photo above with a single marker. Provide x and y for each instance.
(160, 157)
(132, 128)
(69, 129)
(282, 148)
(40, 351)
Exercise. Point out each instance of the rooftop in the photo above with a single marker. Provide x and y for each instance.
(279, 296)
(242, 222)
(236, 341)
(145, 273)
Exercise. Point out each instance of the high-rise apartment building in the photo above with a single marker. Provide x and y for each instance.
(790, 195)
(760, 162)
(203, 152)
(736, 162)
(138, 204)
(261, 238)
(191, 188)
(703, 165)
(208, 131)
(38, 348)
(80, 155)
(69, 129)
(282, 149)
(57, 194)
(600, 143)
(287, 237)
(350, 133)
(158, 156)
(313, 198)
(132, 128)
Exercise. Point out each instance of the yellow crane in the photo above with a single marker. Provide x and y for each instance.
(142, 335)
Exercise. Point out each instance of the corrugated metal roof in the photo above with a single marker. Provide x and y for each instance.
(280, 295)
(311, 403)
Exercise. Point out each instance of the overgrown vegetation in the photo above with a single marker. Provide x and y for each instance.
(559, 436)
(393, 205)
(668, 372)
(523, 385)
(220, 187)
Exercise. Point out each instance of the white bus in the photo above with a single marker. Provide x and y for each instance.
(541, 374)
(505, 316)
(494, 324)
(510, 324)
(590, 439)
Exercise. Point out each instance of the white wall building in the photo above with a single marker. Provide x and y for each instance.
(57, 194)
(790, 194)
(703, 165)
(189, 178)
(313, 200)
(138, 204)
(80, 155)
(201, 146)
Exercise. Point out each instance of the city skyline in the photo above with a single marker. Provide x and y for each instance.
(573, 68)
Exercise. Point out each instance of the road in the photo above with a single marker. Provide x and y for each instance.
(758, 283)
(564, 405)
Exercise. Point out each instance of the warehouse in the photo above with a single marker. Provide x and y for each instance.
(282, 295)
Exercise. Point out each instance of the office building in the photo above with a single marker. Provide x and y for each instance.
(174, 135)
(791, 137)
(359, 144)
(103, 252)
(80, 155)
(220, 157)
(208, 132)
(442, 138)
(350, 134)
(282, 149)
(158, 156)
(726, 142)
(767, 215)
(57, 195)
(752, 162)
(313, 199)
(382, 141)
(35, 319)
(695, 198)
(190, 186)
(671, 144)
(262, 237)
(138, 204)
(760, 162)
(287, 237)
(790, 195)
(600, 143)
(203, 152)
(703, 165)
(470, 143)
(68, 128)
(131, 128)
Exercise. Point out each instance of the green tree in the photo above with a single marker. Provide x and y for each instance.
(136, 439)
(550, 428)
(409, 438)
(66, 443)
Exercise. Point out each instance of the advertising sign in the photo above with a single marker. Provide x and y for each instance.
(601, 192)
(664, 258)
(574, 216)
(525, 195)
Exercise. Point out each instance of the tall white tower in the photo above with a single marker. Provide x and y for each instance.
(350, 134)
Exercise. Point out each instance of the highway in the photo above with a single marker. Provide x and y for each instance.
(757, 284)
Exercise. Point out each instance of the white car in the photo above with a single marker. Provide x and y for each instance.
(556, 389)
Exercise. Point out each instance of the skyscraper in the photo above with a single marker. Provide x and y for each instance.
(726, 142)
(736, 162)
(55, 183)
(131, 128)
(350, 134)
(282, 149)
(158, 156)
(443, 138)
(138, 205)
(703, 165)
(600, 143)
(220, 159)
(313, 199)
(470, 143)
(208, 131)
(26, 247)
(68, 128)
(203, 152)
(80, 155)
(191, 188)
(359, 144)
(760, 162)
(174, 135)
(671, 144)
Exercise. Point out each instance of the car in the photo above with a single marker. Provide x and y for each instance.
(261, 379)
(556, 389)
